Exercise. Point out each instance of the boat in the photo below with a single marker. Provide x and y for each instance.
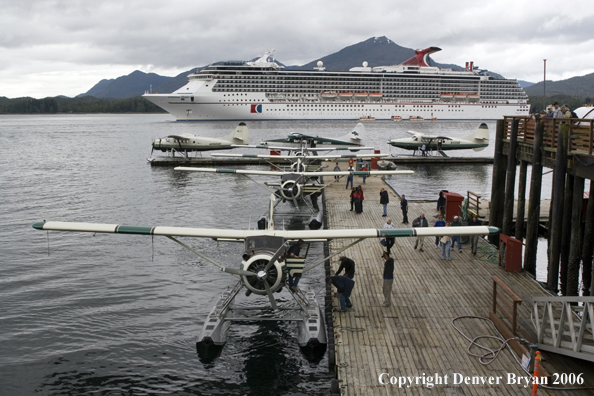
(263, 90)
(415, 118)
(367, 118)
(396, 118)
(328, 95)
(431, 119)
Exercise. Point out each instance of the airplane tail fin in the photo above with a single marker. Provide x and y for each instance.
(481, 135)
(357, 136)
(240, 135)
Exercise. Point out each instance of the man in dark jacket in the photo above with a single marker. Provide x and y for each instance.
(404, 207)
(384, 200)
(420, 221)
(388, 279)
(348, 265)
(474, 238)
(344, 286)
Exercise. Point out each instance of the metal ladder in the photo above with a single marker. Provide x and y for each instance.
(564, 325)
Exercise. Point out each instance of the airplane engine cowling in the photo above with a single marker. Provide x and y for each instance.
(275, 275)
(298, 167)
(291, 190)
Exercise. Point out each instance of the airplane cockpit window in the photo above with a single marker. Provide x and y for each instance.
(263, 242)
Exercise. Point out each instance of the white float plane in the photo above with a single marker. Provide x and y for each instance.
(298, 182)
(477, 141)
(352, 140)
(185, 143)
(263, 270)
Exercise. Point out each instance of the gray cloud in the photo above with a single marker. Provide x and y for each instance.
(79, 43)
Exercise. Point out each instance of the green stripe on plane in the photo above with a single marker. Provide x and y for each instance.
(124, 229)
(396, 232)
(39, 226)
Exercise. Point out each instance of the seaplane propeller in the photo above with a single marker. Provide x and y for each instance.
(291, 190)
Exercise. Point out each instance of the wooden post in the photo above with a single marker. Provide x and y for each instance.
(534, 201)
(566, 232)
(573, 268)
(556, 222)
(520, 224)
(510, 182)
(497, 184)
(588, 249)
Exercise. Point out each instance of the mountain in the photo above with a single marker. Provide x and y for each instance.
(576, 86)
(525, 84)
(376, 51)
(134, 84)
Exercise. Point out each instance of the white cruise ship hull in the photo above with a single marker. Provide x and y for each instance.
(209, 108)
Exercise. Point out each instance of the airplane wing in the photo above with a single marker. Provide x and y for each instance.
(415, 133)
(242, 234)
(298, 147)
(313, 157)
(278, 173)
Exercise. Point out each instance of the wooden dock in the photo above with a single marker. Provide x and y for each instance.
(415, 337)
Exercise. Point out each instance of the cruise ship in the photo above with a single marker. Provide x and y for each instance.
(262, 90)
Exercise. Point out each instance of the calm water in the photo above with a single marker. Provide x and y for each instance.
(120, 314)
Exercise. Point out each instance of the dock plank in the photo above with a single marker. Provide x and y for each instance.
(415, 336)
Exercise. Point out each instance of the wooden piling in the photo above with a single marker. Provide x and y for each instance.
(498, 185)
(588, 248)
(510, 180)
(566, 233)
(573, 267)
(556, 222)
(520, 224)
(534, 201)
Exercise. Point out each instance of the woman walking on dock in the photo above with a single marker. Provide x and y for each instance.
(446, 245)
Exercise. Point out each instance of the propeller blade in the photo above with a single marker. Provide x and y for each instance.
(235, 271)
(270, 296)
(274, 258)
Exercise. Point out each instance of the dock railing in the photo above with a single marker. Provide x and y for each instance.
(581, 132)
(474, 204)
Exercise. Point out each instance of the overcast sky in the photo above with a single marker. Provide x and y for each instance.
(50, 48)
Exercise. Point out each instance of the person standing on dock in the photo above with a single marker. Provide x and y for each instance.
(439, 223)
(353, 190)
(344, 286)
(358, 198)
(420, 221)
(388, 279)
(337, 169)
(350, 177)
(446, 245)
(364, 169)
(474, 238)
(348, 265)
(294, 252)
(456, 238)
(384, 200)
(424, 150)
(389, 241)
(404, 208)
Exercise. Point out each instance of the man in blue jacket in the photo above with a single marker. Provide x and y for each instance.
(344, 286)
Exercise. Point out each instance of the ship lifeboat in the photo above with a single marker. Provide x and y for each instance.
(473, 98)
(375, 96)
(360, 95)
(345, 95)
(328, 94)
(431, 119)
(415, 118)
(446, 97)
(396, 118)
(367, 118)
(459, 97)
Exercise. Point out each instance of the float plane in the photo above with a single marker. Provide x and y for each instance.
(185, 143)
(302, 179)
(263, 270)
(354, 140)
(477, 141)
